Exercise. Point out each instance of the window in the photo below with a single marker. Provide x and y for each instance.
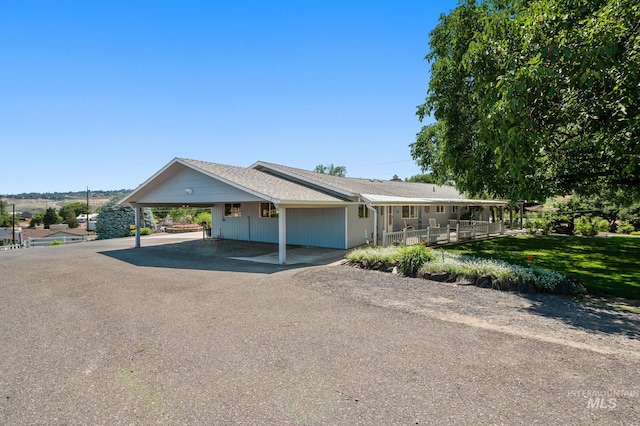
(409, 212)
(233, 210)
(268, 210)
(363, 211)
(439, 209)
(454, 209)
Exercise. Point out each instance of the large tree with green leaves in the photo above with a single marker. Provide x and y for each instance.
(535, 98)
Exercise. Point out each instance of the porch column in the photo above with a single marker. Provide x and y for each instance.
(138, 212)
(375, 224)
(510, 217)
(282, 236)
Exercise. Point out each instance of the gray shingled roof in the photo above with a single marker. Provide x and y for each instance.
(289, 185)
(262, 183)
(357, 186)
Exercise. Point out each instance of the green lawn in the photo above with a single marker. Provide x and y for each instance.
(606, 266)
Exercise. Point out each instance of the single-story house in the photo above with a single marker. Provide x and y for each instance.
(269, 202)
(44, 237)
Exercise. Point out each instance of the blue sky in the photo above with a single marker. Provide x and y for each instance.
(103, 94)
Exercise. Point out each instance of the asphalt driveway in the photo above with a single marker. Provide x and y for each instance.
(100, 333)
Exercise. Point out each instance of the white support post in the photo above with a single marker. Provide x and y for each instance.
(282, 236)
(384, 238)
(448, 234)
(138, 212)
(375, 224)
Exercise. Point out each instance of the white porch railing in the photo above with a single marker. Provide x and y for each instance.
(477, 229)
(407, 237)
(453, 222)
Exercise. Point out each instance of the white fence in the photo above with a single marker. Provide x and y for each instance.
(26, 244)
(44, 241)
(407, 237)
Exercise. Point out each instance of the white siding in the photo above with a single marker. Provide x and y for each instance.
(356, 227)
(203, 188)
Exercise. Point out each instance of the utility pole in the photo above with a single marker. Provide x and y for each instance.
(13, 224)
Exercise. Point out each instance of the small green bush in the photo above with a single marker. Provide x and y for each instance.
(635, 233)
(143, 231)
(413, 257)
(203, 217)
(56, 243)
(589, 227)
(538, 225)
(624, 227)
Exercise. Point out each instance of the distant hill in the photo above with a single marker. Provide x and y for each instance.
(37, 201)
(71, 195)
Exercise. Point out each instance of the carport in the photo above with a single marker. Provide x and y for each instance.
(226, 190)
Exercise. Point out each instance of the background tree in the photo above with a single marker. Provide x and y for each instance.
(51, 217)
(71, 220)
(5, 214)
(114, 220)
(37, 219)
(423, 178)
(331, 170)
(75, 208)
(535, 98)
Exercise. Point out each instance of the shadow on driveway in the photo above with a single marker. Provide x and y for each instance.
(212, 255)
(586, 316)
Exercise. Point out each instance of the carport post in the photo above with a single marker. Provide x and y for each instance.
(137, 211)
(282, 236)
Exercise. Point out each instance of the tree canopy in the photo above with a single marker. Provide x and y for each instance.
(534, 98)
(331, 170)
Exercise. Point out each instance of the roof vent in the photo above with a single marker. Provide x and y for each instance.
(395, 178)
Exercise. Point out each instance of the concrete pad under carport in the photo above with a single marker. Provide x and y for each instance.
(300, 255)
(253, 251)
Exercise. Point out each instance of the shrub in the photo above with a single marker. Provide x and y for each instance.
(588, 227)
(371, 255)
(56, 243)
(538, 225)
(203, 217)
(413, 257)
(624, 227)
(143, 231)
(114, 220)
(635, 233)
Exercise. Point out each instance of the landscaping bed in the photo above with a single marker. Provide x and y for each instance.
(437, 265)
(183, 228)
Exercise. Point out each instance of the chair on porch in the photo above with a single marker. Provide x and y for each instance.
(407, 226)
(433, 223)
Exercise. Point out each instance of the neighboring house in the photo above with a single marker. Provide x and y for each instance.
(6, 235)
(273, 203)
(44, 237)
